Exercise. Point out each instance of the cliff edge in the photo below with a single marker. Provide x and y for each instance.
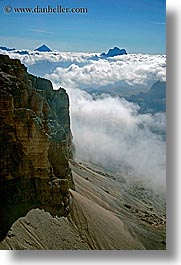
(35, 144)
(100, 211)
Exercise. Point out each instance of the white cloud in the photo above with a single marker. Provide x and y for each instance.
(42, 31)
(107, 130)
(84, 70)
(131, 70)
(110, 132)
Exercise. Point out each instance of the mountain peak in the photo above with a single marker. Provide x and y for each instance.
(6, 49)
(43, 48)
(114, 52)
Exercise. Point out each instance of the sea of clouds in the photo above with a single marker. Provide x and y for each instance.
(84, 70)
(107, 130)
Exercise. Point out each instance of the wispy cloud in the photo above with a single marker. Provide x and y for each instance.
(41, 31)
(158, 23)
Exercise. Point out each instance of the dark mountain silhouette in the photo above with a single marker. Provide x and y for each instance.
(6, 49)
(114, 52)
(43, 48)
(22, 52)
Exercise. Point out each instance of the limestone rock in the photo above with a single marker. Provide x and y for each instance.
(35, 145)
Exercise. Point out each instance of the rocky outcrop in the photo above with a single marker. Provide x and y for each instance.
(35, 144)
(114, 52)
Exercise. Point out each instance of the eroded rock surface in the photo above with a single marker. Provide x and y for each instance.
(35, 144)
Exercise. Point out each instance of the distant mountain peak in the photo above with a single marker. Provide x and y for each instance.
(6, 49)
(43, 48)
(114, 52)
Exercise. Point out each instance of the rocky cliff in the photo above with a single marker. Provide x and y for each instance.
(35, 144)
(104, 211)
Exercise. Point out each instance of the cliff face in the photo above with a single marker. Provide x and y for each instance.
(35, 144)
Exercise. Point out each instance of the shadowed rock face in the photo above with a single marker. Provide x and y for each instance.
(153, 100)
(35, 144)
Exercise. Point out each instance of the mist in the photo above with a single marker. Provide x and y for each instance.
(108, 131)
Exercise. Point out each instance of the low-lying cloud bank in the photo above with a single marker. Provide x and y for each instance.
(84, 70)
(106, 130)
(134, 70)
(109, 131)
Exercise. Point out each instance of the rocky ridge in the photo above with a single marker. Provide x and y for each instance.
(35, 144)
(114, 52)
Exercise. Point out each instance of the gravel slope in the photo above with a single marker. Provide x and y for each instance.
(106, 212)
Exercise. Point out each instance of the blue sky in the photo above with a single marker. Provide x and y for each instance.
(136, 25)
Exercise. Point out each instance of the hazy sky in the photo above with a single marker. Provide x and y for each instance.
(137, 25)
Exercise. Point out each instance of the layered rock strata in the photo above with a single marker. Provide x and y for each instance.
(35, 144)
